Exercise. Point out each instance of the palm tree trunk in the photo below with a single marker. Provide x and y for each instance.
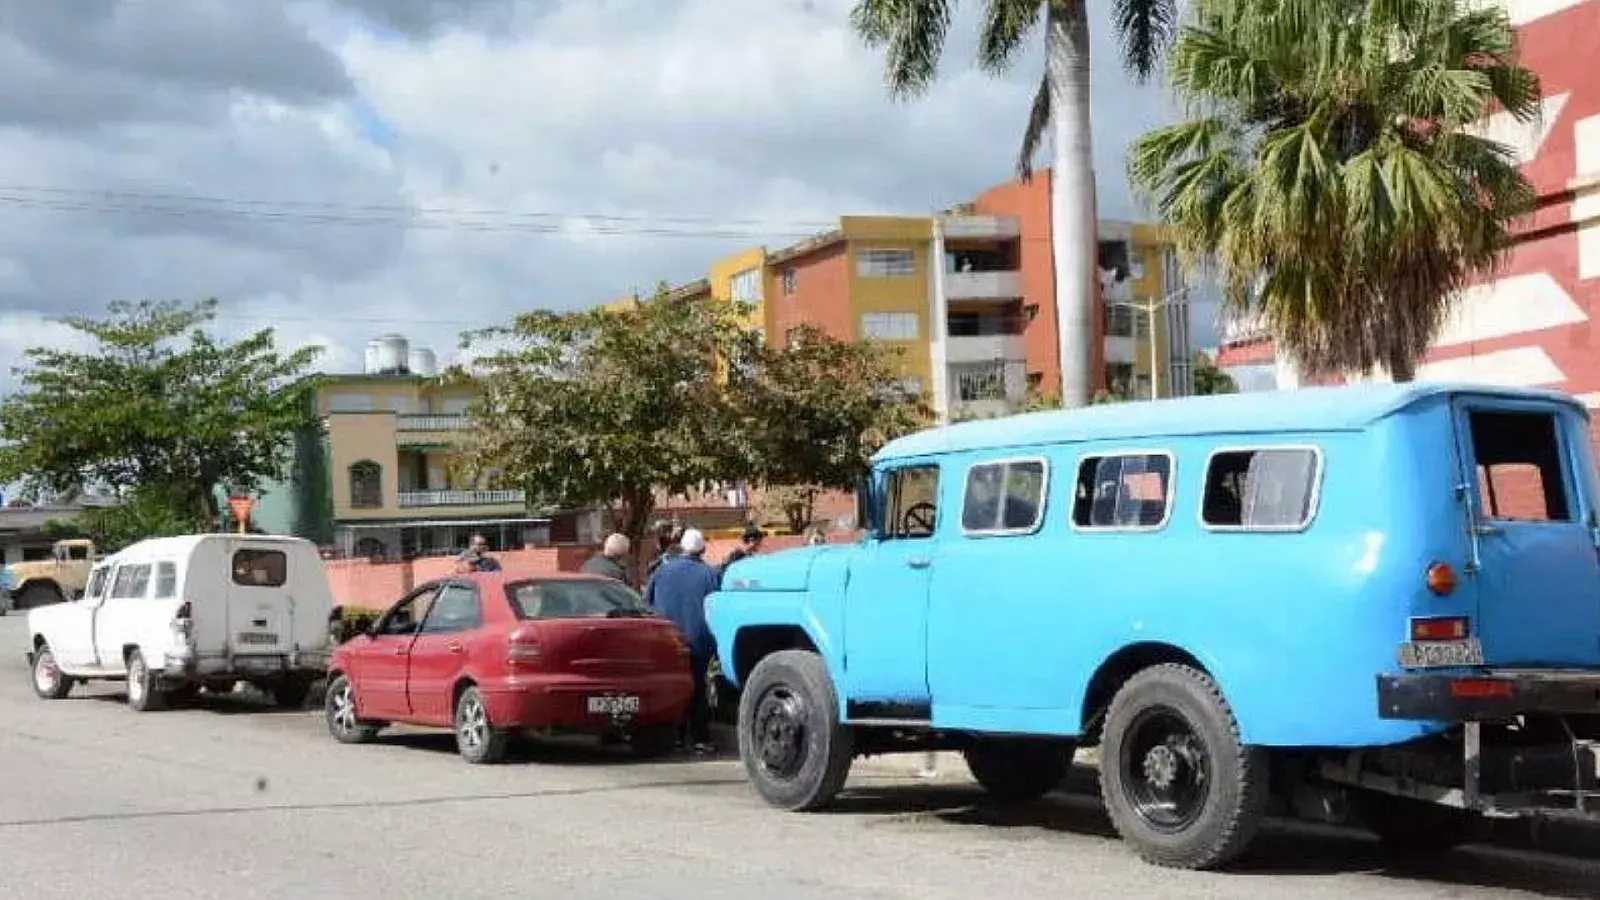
(1072, 206)
(1401, 366)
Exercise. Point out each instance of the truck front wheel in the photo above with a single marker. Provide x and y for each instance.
(794, 748)
(1179, 784)
(1019, 770)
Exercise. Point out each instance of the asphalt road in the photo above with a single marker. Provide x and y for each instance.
(234, 799)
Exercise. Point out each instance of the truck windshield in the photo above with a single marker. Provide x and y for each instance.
(575, 600)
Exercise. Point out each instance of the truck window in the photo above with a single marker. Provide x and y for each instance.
(913, 506)
(260, 568)
(131, 583)
(1126, 492)
(1519, 467)
(1004, 497)
(166, 580)
(78, 552)
(1265, 489)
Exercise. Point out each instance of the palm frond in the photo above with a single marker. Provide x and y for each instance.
(1146, 28)
(913, 32)
(1006, 26)
(1038, 121)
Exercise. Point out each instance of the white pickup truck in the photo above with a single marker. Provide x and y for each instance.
(173, 615)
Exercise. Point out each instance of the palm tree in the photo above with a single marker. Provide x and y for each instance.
(1330, 169)
(914, 32)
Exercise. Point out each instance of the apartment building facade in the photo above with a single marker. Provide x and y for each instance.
(381, 475)
(1532, 324)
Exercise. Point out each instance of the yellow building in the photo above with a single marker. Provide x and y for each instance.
(1148, 353)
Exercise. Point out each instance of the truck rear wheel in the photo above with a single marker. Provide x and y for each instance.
(34, 596)
(1178, 782)
(1414, 827)
(794, 748)
(1019, 770)
(144, 688)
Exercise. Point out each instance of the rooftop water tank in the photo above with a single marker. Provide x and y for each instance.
(423, 362)
(371, 367)
(392, 355)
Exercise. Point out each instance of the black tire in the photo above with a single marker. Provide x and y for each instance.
(1179, 784)
(144, 686)
(49, 682)
(478, 741)
(34, 596)
(339, 708)
(795, 751)
(183, 694)
(654, 741)
(1019, 770)
(291, 693)
(1408, 827)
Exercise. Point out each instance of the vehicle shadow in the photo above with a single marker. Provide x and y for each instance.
(1284, 848)
(240, 702)
(575, 751)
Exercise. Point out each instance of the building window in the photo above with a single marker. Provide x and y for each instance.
(889, 326)
(1119, 320)
(788, 280)
(366, 485)
(982, 381)
(745, 287)
(1260, 490)
(912, 388)
(1129, 492)
(893, 263)
(350, 403)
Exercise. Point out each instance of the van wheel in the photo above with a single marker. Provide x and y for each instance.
(477, 739)
(340, 706)
(144, 689)
(291, 693)
(49, 682)
(1017, 771)
(1412, 827)
(1177, 781)
(794, 748)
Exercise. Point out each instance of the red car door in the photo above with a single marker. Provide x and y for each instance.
(440, 654)
(382, 660)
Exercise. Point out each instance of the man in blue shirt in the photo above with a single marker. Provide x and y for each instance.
(678, 591)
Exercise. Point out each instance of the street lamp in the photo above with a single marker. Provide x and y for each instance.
(1150, 308)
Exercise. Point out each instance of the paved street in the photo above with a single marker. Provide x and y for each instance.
(232, 799)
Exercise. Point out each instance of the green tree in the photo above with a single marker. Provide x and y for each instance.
(156, 405)
(142, 513)
(1329, 169)
(914, 32)
(1208, 379)
(606, 406)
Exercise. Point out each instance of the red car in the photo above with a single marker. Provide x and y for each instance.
(493, 654)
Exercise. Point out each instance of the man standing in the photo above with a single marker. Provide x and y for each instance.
(668, 538)
(678, 591)
(610, 562)
(477, 558)
(749, 545)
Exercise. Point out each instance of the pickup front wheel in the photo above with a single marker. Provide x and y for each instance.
(49, 682)
(795, 750)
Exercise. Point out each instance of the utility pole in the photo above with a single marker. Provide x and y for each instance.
(1150, 308)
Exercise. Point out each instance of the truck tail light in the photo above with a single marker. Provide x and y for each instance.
(524, 650)
(183, 625)
(1442, 628)
(1441, 579)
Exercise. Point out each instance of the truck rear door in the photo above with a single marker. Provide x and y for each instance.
(259, 609)
(1529, 474)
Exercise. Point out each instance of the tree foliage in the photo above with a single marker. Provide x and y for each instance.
(143, 513)
(1330, 169)
(611, 407)
(1208, 379)
(158, 405)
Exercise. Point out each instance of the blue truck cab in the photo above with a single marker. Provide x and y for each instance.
(1379, 601)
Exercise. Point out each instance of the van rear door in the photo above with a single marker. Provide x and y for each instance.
(1529, 473)
(260, 617)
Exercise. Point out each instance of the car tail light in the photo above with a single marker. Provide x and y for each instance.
(183, 625)
(680, 642)
(1444, 628)
(1441, 579)
(524, 649)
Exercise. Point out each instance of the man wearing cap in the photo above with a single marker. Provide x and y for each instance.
(678, 591)
(749, 545)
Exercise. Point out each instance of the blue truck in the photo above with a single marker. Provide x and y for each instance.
(1372, 603)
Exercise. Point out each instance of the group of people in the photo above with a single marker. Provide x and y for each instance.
(677, 582)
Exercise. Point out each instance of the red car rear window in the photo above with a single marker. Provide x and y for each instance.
(574, 600)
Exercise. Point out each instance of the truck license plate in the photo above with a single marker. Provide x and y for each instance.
(257, 638)
(1441, 654)
(622, 705)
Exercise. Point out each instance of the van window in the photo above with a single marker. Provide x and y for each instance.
(260, 568)
(1519, 467)
(1127, 492)
(97, 583)
(455, 608)
(166, 580)
(1004, 497)
(1266, 489)
(132, 583)
(913, 505)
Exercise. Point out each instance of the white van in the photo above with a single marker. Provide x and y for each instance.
(172, 615)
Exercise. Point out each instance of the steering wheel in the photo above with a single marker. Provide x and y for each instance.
(919, 518)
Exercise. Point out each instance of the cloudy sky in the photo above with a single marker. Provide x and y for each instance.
(338, 168)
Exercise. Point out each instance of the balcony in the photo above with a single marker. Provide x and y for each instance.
(421, 499)
(982, 228)
(1004, 285)
(431, 423)
(984, 348)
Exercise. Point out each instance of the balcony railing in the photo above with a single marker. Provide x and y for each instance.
(431, 423)
(416, 499)
(1004, 285)
(988, 348)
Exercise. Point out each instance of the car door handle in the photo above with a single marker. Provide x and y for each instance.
(919, 562)
(401, 651)
(454, 647)
(1486, 530)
